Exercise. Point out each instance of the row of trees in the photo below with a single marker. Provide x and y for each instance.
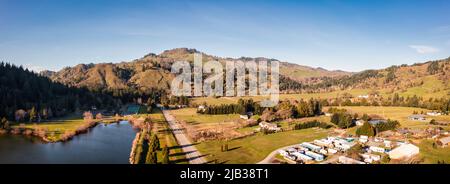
(147, 147)
(311, 124)
(242, 107)
(284, 110)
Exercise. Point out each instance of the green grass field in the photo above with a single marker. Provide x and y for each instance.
(255, 148)
(427, 90)
(396, 113)
(432, 155)
(55, 128)
(190, 116)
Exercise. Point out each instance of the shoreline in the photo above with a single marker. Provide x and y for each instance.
(65, 137)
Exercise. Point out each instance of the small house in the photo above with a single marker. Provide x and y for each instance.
(417, 117)
(359, 122)
(363, 96)
(376, 149)
(375, 122)
(434, 113)
(444, 142)
(269, 126)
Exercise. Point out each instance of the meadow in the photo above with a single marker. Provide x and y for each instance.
(432, 154)
(400, 114)
(255, 148)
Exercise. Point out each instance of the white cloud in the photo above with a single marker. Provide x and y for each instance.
(34, 67)
(424, 49)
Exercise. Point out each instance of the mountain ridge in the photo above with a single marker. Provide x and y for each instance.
(153, 71)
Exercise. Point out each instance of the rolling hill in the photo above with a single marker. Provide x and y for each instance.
(153, 71)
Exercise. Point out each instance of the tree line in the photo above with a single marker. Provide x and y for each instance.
(25, 95)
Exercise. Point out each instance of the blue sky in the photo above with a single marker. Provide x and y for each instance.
(346, 35)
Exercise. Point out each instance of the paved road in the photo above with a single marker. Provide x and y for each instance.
(192, 154)
(269, 159)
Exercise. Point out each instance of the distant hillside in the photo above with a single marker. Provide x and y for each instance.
(153, 71)
(430, 78)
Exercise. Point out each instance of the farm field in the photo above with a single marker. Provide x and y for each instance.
(255, 148)
(432, 155)
(396, 113)
(190, 116)
(427, 90)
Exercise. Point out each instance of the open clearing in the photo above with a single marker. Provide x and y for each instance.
(55, 128)
(255, 148)
(432, 155)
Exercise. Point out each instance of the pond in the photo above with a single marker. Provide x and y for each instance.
(103, 144)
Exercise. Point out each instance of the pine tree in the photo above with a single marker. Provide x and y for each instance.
(151, 158)
(366, 129)
(33, 114)
(165, 154)
(4, 124)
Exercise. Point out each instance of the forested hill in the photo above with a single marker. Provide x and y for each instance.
(21, 89)
(153, 71)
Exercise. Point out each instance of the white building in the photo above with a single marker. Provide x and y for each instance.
(301, 156)
(376, 149)
(316, 156)
(404, 151)
(363, 138)
(269, 126)
(417, 117)
(363, 96)
(310, 146)
(245, 116)
(331, 151)
(359, 123)
(323, 151)
(434, 113)
(323, 142)
(444, 141)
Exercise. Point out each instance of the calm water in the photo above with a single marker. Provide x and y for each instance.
(103, 144)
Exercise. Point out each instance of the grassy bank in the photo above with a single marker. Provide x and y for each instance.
(432, 155)
(55, 130)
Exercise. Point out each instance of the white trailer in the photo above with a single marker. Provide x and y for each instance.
(316, 156)
(302, 157)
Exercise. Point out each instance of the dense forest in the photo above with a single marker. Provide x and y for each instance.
(25, 94)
